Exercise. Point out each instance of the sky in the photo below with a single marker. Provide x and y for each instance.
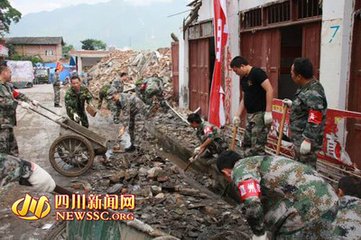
(33, 6)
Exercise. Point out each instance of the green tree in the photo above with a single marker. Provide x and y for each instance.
(93, 44)
(8, 14)
(33, 59)
(66, 49)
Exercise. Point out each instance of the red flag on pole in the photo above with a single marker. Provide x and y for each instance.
(216, 103)
(59, 66)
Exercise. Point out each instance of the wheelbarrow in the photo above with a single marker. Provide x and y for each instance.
(73, 152)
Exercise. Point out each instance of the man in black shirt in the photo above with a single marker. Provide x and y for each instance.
(257, 94)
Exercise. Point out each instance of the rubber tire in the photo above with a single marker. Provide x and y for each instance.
(87, 165)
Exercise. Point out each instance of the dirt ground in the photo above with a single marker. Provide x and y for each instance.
(35, 134)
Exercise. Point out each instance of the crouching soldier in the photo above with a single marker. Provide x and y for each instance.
(132, 105)
(209, 135)
(15, 169)
(103, 95)
(345, 221)
(117, 84)
(278, 194)
(148, 88)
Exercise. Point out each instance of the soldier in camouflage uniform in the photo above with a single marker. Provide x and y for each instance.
(257, 95)
(150, 87)
(9, 100)
(116, 84)
(132, 105)
(278, 194)
(308, 112)
(15, 169)
(75, 99)
(209, 135)
(344, 222)
(56, 87)
(103, 95)
(119, 83)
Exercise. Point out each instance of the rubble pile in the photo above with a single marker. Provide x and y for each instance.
(166, 201)
(138, 65)
(166, 197)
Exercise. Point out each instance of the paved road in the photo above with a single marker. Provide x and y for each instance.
(35, 134)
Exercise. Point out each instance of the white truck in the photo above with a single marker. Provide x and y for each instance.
(22, 73)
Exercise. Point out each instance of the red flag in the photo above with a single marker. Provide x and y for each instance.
(59, 66)
(216, 108)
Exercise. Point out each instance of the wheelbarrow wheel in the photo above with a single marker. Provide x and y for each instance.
(71, 155)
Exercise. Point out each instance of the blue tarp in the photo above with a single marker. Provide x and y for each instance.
(66, 73)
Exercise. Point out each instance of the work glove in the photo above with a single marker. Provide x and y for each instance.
(41, 179)
(197, 150)
(236, 121)
(262, 237)
(287, 102)
(305, 147)
(76, 117)
(268, 118)
(35, 103)
(25, 105)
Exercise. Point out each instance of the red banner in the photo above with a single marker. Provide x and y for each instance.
(334, 143)
(59, 66)
(216, 103)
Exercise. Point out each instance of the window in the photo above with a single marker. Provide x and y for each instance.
(252, 18)
(309, 8)
(49, 53)
(282, 13)
(278, 12)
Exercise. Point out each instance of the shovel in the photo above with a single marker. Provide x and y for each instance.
(280, 130)
(192, 160)
(234, 135)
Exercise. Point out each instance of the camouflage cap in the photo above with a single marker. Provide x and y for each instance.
(111, 92)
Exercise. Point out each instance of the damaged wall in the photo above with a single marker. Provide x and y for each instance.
(230, 79)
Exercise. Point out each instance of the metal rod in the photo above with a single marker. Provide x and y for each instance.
(49, 110)
(44, 115)
(280, 130)
(179, 115)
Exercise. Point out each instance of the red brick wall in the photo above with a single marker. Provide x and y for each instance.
(41, 50)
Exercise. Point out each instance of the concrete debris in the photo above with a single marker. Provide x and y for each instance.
(138, 65)
(160, 195)
(166, 198)
(154, 172)
(115, 188)
(116, 177)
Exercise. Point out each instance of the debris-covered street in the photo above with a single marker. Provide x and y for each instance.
(180, 120)
(165, 194)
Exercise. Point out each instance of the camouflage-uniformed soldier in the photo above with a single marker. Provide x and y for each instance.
(15, 169)
(75, 99)
(56, 87)
(118, 84)
(345, 221)
(103, 95)
(308, 112)
(9, 100)
(257, 95)
(278, 194)
(209, 135)
(150, 87)
(132, 105)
